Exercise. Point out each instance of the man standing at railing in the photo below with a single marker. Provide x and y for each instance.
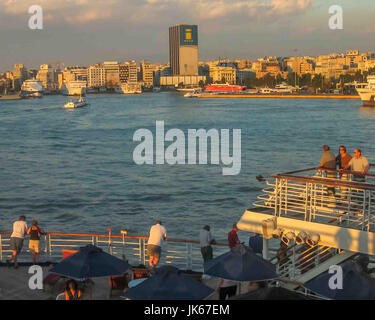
(328, 161)
(342, 160)
(359, 164)
(233, 237)
(16, 239)
(206, 240)
(157, 235)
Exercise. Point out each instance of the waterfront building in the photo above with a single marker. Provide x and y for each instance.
(112, 74)
(244, 74)
(243, 63)
(79, 72)
(46, 75)
(183, 49)
(96, 76)
(223, 73)
(175, 81)
(128, 72)
(20, 74)
(147, 73)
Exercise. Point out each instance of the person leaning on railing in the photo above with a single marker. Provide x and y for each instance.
(342, 160)
(328, 161)
(359, 164)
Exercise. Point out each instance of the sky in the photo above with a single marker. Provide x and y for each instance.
(83, 32)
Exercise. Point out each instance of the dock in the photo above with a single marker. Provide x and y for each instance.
(10, 97)
(271, 96)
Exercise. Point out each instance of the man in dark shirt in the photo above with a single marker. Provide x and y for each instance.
(256, 243)
(233, 237)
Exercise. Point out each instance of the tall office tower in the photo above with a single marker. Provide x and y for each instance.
(183, 49)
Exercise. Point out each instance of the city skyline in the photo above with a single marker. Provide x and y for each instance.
(78, 34)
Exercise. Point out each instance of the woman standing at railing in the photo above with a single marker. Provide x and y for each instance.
(35, 232)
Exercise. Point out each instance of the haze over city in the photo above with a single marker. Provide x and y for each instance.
(83, 32)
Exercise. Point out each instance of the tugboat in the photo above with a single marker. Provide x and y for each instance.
(81, 102)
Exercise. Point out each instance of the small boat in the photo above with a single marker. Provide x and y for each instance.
(81, 102)
(194, 94)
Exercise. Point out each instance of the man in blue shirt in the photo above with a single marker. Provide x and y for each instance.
(256, 243)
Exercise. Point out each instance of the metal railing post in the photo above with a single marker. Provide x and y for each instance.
(45, 245)
(50, 244)
(1, 248)
(140, 250)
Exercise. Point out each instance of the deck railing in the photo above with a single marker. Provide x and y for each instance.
(185, 254)
(323, 195)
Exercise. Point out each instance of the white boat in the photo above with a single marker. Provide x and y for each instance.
(74, 88)
(156, 89)
(81, 102)
(32, 89)
(367, 91)
(187, 89)
(280, 88)
(193, 94)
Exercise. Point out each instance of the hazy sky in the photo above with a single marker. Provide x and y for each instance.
(82, 32)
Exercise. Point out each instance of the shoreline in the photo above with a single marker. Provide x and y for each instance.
(10, 97)
(254, 96)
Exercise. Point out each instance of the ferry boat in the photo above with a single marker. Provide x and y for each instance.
(280, 88)
(315, 229)
(74, 88)
(32, 88)
(224, 88)
(81, 102)
(367, 91)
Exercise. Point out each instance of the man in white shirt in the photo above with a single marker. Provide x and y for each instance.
(157, 235)
(16, 239)
(359, 164)
(206, 240)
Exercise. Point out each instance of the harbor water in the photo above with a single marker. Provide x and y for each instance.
(73, 170)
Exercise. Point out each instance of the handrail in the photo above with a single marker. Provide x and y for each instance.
(326, 181)
(118, 237)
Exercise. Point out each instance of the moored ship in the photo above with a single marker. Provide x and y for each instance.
(32, 88)
(225, 88)
(74, 88)
(131, 88)
(367, 91)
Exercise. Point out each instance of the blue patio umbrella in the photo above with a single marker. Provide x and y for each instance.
(168, 283)
(356, 284)
(240, 264)
(90, 262)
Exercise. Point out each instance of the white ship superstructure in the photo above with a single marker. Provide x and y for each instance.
(316, 229)
(74, 87)
(32, 88)
(131, 88)
(367, 91)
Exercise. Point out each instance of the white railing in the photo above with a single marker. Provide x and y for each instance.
(322, 197)
(184, 254)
